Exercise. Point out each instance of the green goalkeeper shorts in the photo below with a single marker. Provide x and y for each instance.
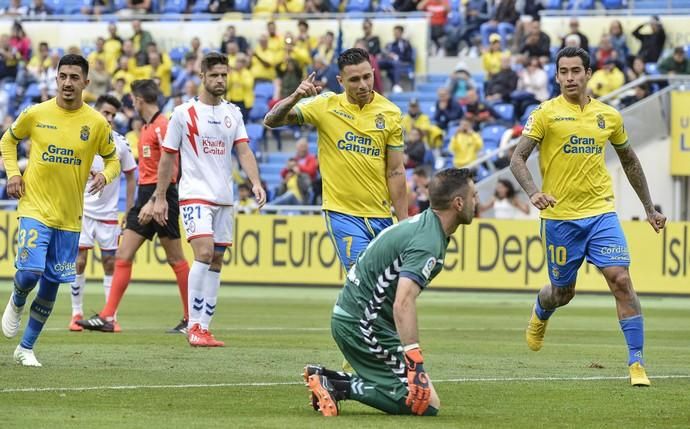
(376, 355)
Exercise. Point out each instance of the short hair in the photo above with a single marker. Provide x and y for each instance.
(399, 28)
(146, 89)
(446, 185)
(109, 99)
(572, 53)
(420, 171)
(213, 59)
(352, 57)
(303, 23)
(75, 60)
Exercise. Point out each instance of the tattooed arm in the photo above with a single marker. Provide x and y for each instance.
(283, 113)
(397, 185)
(518, 166)
(633, 170)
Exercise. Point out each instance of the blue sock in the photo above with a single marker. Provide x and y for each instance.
(633, 330)
(40, 310)
(24, 283)
(541, 313)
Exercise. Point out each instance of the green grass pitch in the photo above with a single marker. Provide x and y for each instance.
(473, 344)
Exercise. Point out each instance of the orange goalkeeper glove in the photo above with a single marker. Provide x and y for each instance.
(417, 381)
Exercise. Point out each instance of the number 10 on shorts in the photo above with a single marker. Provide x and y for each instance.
(557, 254)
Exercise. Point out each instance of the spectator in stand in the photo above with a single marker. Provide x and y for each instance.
(575, 29)
(510, 138)
(676, 63)
(20, 41)
(263, 61)
(99, 81)
(606, 80)
(326, 75)
(289, 75)
(112, 48)
(246, 203)
(465, 145)
(240, 90)
(419, 188)
(397, 56)
(572, 41)
(230, 35)
(640, 92)
(502, 21)
(38, 10)
(373, 44)
(405, 5)
(438, 18)
(295, 187)
(15, 8)
(96, 7)
(98, 52)
(317, 6)
(502, 84)
(221, 6)
(606, 52)
(617, 38)
(307, 162)
(189, 73)
(378, 79)
(276, 42)
(140, 40)
(295, 52)
(636, 70)
(48, 81)
(536, 43)
(123, 72)
(414, 118)
(157, 68)
(304, 40)
(278, 6)
(478, 112)
(505, 202)
(196, 51)
(533, 86)
(39, 61)
(137, 7)
(651, 41)
(476, 13)
(415, 148)
(232, 50)
(447, 110)
(326, 47)
(493, 56)
(9, 59)
(132, 136)
(460, 83)
(191, 90)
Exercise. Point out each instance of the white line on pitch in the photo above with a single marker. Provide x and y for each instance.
(289, 383)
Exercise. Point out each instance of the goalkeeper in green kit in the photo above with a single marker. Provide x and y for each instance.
(374, 320)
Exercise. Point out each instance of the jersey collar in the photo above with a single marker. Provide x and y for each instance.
(153, 118)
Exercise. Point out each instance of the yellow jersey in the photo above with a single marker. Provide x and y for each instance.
(352, 150)
(572, 155)
(63, 146)
(241, 87)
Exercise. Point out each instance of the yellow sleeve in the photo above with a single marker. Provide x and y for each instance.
(619, 137)
(395, 138)
(106, 149)
(479, 143)
(18, 131)
(535, 127)
(308, 110)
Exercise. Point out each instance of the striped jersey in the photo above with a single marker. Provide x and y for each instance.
(413, 248)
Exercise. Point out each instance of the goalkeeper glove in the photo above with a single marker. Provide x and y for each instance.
(417, 381)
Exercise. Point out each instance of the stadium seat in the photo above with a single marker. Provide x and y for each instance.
(200, 6)
(552, 4)
(491, 135)
(651, 68)
(255, 132)
(612, 4)
(32, 91)
(580, 4)
(279, 157)
(263, 90)
(528, 111)
(428, 87)
(358, 6)
(174, 6)
(385, 6)
(335, 5)
(550, 69)
(271, 168)
(244, 6)
(428, 108)
(436, 78)
(506, 111)
(177, 54)
(258, 111)
(172, 16)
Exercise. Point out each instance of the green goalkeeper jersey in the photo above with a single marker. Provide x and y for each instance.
(413, 248)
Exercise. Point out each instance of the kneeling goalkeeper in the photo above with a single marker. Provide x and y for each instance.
(374, 321)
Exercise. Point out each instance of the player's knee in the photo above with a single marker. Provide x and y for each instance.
(26, 280)
(108, 264)
(124, 254)
(563, 295)
(621, 283)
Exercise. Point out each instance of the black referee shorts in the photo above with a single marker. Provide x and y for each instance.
(171, 229)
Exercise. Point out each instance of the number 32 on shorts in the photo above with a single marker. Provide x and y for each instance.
(557, 254)
(22, 238)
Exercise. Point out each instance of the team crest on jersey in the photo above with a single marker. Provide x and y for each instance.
(85, 133)
(555, 273)
(24, 255)
(601, 123)
(191, 227)
(228, 122)
(380, 122)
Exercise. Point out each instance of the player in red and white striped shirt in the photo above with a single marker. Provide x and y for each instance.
(204, 131)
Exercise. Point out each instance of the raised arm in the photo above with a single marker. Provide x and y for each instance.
(283, 113)
(633, 170)
(518, 166)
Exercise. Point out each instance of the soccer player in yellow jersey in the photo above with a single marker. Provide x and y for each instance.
(360, 153)
(65, 136)
(576, 201)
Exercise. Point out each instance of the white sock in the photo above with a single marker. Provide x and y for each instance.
(78, 294)
(197, 276)
(211, 286)
(107, 282)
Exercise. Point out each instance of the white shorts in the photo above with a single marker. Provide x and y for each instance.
(104, 232)
(206, 220)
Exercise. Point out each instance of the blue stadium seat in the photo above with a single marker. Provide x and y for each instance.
(385, 6)
(271, 168)
(428, 87)
(552, 4)
(32, 91)
(172, 16)
(506, 111)
(651, 68)
(255, 132)
(335, 5)
(200, 6)
(86, 50)
(436, 78)
(244, 6)
(580, 4)
(55, 6)
(428, 108)
(119, 4)
(174, 6)
(491, 135)
(70, 7)
(263, 90)
(528, 111)
(550, 69)
(258, 111)
(177, 54)
(358, 6)
(612, 4)
(279, 157)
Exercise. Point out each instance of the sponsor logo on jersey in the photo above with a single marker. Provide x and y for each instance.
(563, 118)
(49, 126)
(343, 114)
(212, 122)
(85, 133)
(578, 145)
(60, 155)
(601, 123)
(429, 267)
(65, 268)
(380, 121)
(352, 142)
(213, 146)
